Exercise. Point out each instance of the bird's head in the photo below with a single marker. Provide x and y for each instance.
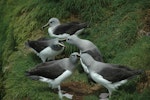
(74, 57)
(52, 23)
(72, 39)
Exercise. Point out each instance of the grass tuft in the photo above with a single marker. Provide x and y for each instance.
(114, 28)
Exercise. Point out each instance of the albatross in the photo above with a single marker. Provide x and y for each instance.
(109, 75)
(54, 72)
(85, 46)
(46, 49)
(56, 29)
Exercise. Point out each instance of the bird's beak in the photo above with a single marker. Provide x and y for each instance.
(62, 40)
(78, 55)
(61, 44)
(45, 25)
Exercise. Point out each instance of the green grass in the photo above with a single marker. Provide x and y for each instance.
(124, 95)
(114, 27)
(137, 56)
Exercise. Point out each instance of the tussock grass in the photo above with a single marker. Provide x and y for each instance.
(114, 27)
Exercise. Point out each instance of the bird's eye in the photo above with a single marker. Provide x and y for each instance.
(68, 39)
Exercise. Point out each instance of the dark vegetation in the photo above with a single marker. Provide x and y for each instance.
(120, 29)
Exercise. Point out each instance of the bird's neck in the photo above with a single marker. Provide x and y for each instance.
(88, 62)
(53, 27)
(72, 65)
(81, 44)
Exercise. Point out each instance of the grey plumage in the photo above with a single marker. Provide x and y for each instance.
(53, 69)
(47, 69)
(54, 72)
(64, 30)
(85, 46)
(109, 75)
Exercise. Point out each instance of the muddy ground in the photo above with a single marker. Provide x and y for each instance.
(81, 89)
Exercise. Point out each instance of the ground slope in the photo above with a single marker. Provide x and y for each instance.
(119, 28)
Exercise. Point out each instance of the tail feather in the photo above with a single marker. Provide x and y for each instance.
(31, 44)
(84, 25)
(33, 77)
(138, 72)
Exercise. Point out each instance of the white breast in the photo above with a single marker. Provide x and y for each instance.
(84, 66)
(61, 78)
(50, 31)
(54, 83)
(109, 85)
(100, 80)
(49, 54)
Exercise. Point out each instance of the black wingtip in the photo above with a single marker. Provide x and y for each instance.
(33, 77)
(138, 72)
(85, 25)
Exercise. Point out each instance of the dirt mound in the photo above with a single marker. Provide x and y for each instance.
(147, 21)
(146, 27)
(144, 82)
(80, 89)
